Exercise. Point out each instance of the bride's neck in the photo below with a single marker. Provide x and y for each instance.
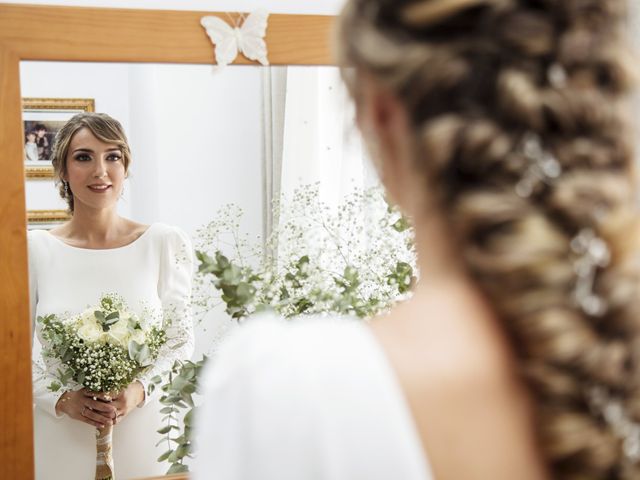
(99, 225)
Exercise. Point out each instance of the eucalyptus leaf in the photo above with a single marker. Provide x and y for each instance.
(188, 418)
(173, 458)
(222, 261)
(134, 349)
(177, 468)
(144, 356)
(179, 383)
(182, 451)
(189, 388)
(164, 456)
(55, 386)
(188, 399)
(165, 429)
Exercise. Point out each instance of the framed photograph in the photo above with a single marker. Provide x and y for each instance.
(46, 219)
(42, 119)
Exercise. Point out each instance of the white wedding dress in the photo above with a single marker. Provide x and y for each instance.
(310, 399)
(153, 275)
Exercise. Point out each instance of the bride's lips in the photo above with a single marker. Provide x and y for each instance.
(99, 188)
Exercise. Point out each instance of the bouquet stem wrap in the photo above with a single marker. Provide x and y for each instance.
(104, 457)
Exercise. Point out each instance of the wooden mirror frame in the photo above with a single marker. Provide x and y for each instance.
(95, 35)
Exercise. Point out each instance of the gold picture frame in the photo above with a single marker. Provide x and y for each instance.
(41, 217)
(49, 113)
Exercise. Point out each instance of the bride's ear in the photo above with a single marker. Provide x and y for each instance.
(385, 124)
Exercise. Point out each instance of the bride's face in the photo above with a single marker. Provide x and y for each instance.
(95, 171)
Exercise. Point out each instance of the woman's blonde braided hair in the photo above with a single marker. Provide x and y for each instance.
(480, 79)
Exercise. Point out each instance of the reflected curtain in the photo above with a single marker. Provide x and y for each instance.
(274, 80)
(310, 137)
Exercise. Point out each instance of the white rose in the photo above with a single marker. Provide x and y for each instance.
(119, 333)
(139, 337)
(90, 332)
(88, 318)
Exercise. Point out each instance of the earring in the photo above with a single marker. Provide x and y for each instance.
(67, 190)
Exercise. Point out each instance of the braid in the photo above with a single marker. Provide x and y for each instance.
(477, 77)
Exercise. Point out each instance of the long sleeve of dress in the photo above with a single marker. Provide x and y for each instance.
(43, 396)
(174, 290)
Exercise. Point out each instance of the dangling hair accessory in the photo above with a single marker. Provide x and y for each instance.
(557, 75)
(592, 253)
(543, 166)
(613, 412)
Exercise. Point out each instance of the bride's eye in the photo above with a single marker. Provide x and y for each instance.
(114, 157)
(82, 157)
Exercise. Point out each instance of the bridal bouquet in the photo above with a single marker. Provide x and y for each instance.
(102, 349)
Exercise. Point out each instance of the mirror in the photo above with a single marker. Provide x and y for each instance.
(201, 140)
(45, 33)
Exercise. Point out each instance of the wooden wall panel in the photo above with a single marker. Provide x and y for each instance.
(126, 35)
(16, 442)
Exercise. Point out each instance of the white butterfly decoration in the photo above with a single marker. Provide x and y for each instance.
(248, 38)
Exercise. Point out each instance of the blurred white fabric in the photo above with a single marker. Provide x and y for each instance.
(313, 399)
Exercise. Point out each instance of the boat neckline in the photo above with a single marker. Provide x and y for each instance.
(123, 247)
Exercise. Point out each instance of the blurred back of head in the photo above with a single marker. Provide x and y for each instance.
(518, 111)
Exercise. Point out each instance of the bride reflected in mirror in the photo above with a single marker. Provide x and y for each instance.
(110, 304)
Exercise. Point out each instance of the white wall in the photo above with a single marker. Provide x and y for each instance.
(196, 136)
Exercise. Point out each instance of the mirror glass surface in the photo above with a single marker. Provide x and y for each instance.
(201, 139)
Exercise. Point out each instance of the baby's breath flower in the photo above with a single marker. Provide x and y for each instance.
(357, 258)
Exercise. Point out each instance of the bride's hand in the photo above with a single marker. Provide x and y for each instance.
(126, 400)
(81, 406)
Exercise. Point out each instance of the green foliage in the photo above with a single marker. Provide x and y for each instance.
(178, 390)
(356, 259)
(402, 277)
(234, 282)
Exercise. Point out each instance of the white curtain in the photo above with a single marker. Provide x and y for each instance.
(321, 143)
(274, 80)
(311, 136)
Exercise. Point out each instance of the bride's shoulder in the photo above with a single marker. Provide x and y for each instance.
(134, 230)
(271, 334)
(271, 346)
(164, 230)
